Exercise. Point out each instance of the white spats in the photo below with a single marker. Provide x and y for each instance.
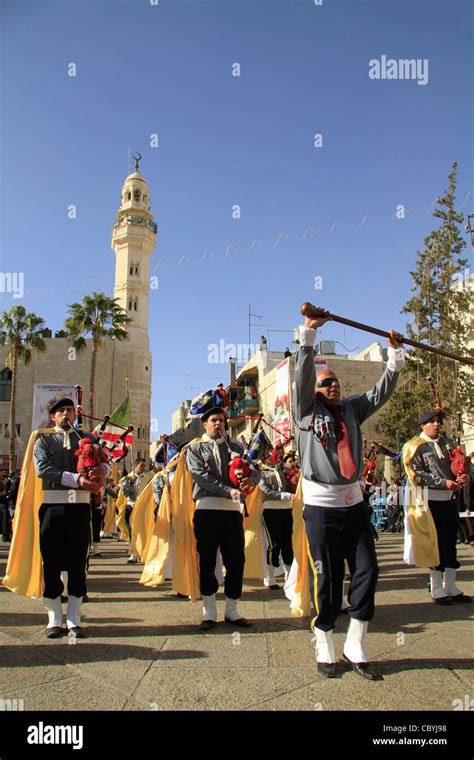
(449, 585)
(55, 612)
(209, 609)
(354, 643)
(287, 571)
(231, 612)
(269, 579)
(436, 585)
(325, 651)
(74, 611)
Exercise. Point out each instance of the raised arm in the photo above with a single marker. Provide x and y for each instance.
(367, 403)
(305, 374)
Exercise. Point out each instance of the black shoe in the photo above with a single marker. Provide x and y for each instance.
(207, 625)
(364, 669)
(240, 622)
(273, 587)
(446, 601)
(181, 596)
(76, 633)
(463, 598)
(327, 669)
(54, 633)
(85, 599)
(64, 599)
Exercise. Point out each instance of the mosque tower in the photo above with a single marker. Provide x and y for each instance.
(133, 241)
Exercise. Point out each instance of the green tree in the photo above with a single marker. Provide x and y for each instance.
(101, 318)
(399, 423)
(21, 333)
(439, 307)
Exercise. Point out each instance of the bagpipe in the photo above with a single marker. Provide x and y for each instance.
(119, 447)
(92, 455)
(368, 473)
(459, 461)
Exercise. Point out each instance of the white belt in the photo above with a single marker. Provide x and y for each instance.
(277, 504)
(218, 503)
(66, 496)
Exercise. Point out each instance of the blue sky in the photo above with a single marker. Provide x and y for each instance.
(225, 140)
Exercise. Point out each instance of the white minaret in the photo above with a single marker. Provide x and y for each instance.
(133, 240)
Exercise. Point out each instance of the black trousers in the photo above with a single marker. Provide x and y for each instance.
(65, 531)
(6, 523)
(446, 515)
(96, 513)
(220, 529)
(279, 528)
(128, 514)
(335, 534)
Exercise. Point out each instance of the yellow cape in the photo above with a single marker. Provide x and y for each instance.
(121, 504)
(301, 603)
(142, 518)
(157, 552)
(24, 574)
(253, 544)
(419, 523)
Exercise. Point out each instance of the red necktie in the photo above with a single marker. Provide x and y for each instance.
(344, 453)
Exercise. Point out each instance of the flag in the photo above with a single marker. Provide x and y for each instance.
(259, 442)
(111, 435)
(209, 399)
(171, 452)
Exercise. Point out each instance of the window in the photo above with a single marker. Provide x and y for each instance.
(129, 196)
(136, 195)
(135, 304)
(130, 305)
(131, 268)
(137, 267)
(5, 384)
(6, 433)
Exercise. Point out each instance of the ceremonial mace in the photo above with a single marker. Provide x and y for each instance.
(315, 312)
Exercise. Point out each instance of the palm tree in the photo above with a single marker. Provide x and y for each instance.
(21, 333)
(102, 318)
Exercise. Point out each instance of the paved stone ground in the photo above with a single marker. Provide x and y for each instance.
(144, 651)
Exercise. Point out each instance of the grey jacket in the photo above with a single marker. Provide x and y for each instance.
(269, 484)
(429, 468)
(51, 459)
(320, 463)
(158, 488)
(204, 469)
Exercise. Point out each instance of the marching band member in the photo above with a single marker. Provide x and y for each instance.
(277, 518)
(218, 520)
(427, 461)
(64, 521)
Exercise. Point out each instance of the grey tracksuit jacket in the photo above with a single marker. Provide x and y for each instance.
(319, 463)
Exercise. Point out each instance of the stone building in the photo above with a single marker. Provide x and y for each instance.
(133, 239)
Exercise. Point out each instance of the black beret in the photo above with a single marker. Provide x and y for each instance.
(214, 410)
(427, 416)
(58, 404)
